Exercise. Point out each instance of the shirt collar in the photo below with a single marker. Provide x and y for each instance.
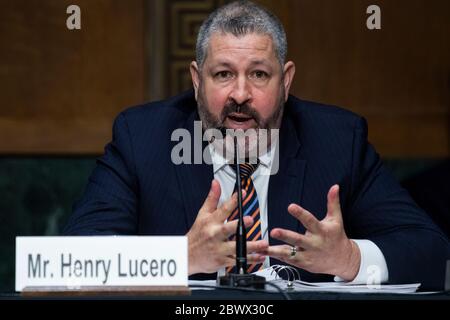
(219, 162)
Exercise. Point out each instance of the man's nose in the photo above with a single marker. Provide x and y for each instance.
(241, 92)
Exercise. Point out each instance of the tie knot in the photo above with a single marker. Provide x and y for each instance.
(246, 169)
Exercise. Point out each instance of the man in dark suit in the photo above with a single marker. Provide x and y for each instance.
(330, 208)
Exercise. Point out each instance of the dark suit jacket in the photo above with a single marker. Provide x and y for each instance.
(136, 189)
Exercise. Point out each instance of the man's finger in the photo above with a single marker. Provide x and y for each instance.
(305, 217)
(257, 246)
(229, 228)
(278, 251)
(229, 248)
(284, 253)
(230, 262)
(333, 203)
(292, 238)
(252, 258)
(213, 197)
(224, 211)
(255, 258)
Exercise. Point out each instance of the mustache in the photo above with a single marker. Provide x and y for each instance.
(244, 108)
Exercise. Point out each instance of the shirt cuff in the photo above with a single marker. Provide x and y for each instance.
(373, 268)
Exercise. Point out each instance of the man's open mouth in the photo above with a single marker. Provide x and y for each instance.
(240, 121)
(239, 117)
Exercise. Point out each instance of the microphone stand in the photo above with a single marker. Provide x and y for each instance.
(242, 278)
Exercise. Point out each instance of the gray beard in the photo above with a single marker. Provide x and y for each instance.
(210, 121)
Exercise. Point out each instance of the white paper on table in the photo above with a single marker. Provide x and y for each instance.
(303, 286)
(344, 287)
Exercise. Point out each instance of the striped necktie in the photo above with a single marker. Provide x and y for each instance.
(250, 207)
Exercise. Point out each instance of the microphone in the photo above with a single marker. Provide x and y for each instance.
(241, 232)
(242, 278)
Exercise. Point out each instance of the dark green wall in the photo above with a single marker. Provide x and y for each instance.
(36, 197)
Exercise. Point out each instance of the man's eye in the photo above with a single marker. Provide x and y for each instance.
(260, 75)
(223, 75)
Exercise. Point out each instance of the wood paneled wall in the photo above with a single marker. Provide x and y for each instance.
(61, 89)
(397, 77)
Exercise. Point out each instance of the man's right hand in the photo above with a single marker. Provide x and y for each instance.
(209, 245)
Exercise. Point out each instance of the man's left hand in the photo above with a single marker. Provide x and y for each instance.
(324, 248)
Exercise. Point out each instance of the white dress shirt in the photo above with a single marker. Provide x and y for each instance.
(373, 268)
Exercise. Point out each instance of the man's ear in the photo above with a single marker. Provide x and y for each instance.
(289, 72)
(195, 75)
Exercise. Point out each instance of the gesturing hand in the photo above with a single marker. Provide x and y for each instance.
(209, 247)
(324, 248)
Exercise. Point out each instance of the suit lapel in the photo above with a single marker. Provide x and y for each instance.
(194, 179)
(286, 186)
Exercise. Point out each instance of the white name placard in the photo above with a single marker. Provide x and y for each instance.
(74, 262)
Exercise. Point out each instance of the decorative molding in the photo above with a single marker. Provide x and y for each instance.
(173, 43)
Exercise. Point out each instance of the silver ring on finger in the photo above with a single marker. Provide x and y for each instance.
(293, 251)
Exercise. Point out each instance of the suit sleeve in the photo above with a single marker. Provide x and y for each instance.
(108, 205)
(383, 212)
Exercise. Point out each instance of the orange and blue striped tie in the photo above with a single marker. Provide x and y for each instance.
(250, 207)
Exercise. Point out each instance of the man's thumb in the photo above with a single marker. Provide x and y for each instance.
(213, 197)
